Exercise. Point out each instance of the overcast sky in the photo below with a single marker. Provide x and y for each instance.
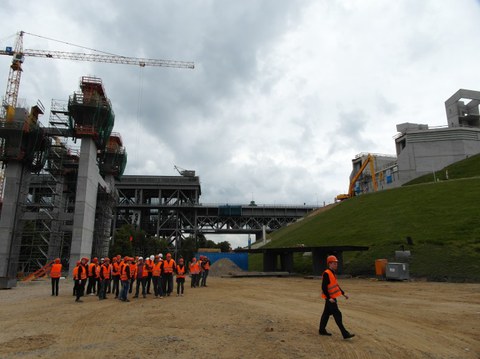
(283, 95)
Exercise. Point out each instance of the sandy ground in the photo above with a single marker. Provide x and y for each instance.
(245, 318)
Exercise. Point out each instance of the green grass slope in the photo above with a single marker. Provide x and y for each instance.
(442, 218)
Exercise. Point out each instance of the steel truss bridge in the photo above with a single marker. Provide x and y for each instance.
(168, 207)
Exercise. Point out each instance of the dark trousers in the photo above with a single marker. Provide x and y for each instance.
(116, 285)
(180, 285)
(102, 288)
(332, 309)
(199, 276)
(92, 282)
(140, 281)
(157, 286)
(149, 280)
(204, 277)
(132, 280)
(79, 288)
(168, 283)
(194, 280)
(55, 282)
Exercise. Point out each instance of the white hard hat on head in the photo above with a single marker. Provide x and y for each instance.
(140, 258)
(152, 257)
(160, 255)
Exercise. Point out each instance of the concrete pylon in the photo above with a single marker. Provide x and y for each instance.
(85, 202)
(17, 180)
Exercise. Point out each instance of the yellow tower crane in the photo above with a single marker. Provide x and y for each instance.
(18, 56)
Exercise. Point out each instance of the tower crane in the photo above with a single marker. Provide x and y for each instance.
(19, 54)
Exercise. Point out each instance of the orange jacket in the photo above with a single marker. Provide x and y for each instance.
(157, 269)
(193, 266)
(168, 266)
(105, 271)
(180, 271)
(91, 270)
(56, 271)
(80, 272)
(115, 269)
(149, 265)
(133, 270)
(334, 290)
(124, 273)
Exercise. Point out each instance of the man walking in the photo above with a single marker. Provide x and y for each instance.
(330, 292)
(55, 274)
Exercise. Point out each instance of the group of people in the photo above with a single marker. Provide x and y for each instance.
(104, 277)
(121, 275)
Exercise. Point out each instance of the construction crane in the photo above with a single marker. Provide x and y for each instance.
(19, 54)
(370, 160)
(183, 172)
(7, 112)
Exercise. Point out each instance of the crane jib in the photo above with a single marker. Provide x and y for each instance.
(112, 59)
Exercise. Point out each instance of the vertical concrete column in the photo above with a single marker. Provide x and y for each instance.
(269, 262)
(16, 188)
(85, 203)
(319, 261)
(286, 262)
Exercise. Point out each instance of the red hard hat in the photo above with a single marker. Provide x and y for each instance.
(331, 259)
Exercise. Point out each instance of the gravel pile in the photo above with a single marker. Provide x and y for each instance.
(224, 266)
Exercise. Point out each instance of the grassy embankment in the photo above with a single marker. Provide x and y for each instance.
(442, 218)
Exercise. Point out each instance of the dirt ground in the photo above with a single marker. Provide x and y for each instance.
(245, 318)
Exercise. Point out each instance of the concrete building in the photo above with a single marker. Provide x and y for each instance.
(421, 149)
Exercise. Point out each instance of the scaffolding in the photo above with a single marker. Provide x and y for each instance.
(113, 159)
(90, 112)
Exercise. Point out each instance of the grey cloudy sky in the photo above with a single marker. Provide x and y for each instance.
(284, 93)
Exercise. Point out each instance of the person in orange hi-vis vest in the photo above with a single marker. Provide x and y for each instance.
(104, 278)
(157, 277)
(75, 273)
(180, 270)
(330, 292)
(193, 268)
(55, 274)
(116, 275)
(125, 278)
(80, 278)
(92, 280)
(149, 265)
(141, 277)
(133, 272)
(206, 269)
(168, 267)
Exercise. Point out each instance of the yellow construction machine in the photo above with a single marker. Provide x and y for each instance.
(370, 160)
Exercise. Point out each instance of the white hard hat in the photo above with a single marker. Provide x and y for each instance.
(160, 255)
(140, 258)
(152, 257)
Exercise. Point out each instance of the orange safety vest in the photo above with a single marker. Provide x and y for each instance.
(149, 265)
(75, 273)
(115, 269)
(157, 269)
(180, 271)
(123, 271)
(105, 271)
(133, 270)
(56, 271)
(207, 265)
(91, 269)
(200, 268)
(168, 266)
(334, 290)
(83, 274)
(194, 267)
(97, 271)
